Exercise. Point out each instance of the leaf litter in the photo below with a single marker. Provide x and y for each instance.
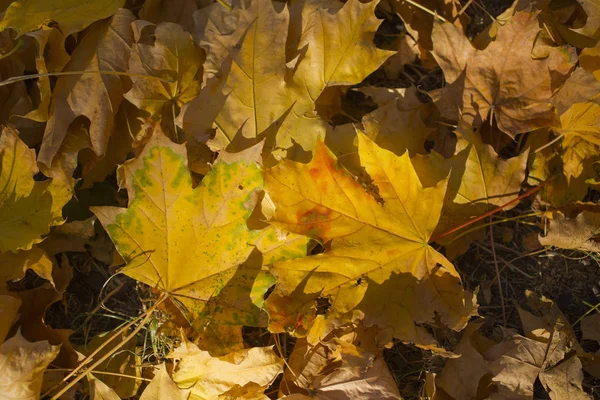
(312, 199)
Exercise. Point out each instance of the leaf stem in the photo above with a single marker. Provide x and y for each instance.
(493, 246)
(487, 214)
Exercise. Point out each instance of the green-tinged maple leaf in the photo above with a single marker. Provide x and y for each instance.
(235, 375)
(27, 208)
(173, 57)
(191, 242)
(23, 364)
(503, 80)
(379, 262)
(71, 15)
(105, 47)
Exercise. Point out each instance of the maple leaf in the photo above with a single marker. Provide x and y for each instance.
(184, 241)
(397, 125)
(27, 208)
(9, 310)
(23, 364)
(479, 180)
(344, 365)
(460, 377)
(50, 57)
(420, 24)
(241, 372)
(173, 57)
(502, 81)
(377, 251)
(99, 390)
(575, 233)
(105, 47)
(15, 264)
(333, 48)
(71, 15)
(163, 387)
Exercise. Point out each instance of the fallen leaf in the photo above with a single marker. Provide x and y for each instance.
(15, 264)
(105, 47)
(209, 377)
(379, 248)
(23, 364)
(71, 15)
(460, 377)
(167, 218)
(162, 387)
(573, 233)
(9, 310)
(27, 208)
(338, 367)
(516, 91)
(99, 390)
(176, 60)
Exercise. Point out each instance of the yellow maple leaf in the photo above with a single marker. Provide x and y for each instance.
(266, 96)
(71, 15)
(190, 242)
(177, 60)
(379, 261)
(27, 208)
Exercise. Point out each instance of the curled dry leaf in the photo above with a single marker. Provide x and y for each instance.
(241, 373)
(343, 365)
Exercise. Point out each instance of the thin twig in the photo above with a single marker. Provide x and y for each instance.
(487, 214)
(122, 343)
(427, 10)
(138, 378)
(498, 275)
(462, 10)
